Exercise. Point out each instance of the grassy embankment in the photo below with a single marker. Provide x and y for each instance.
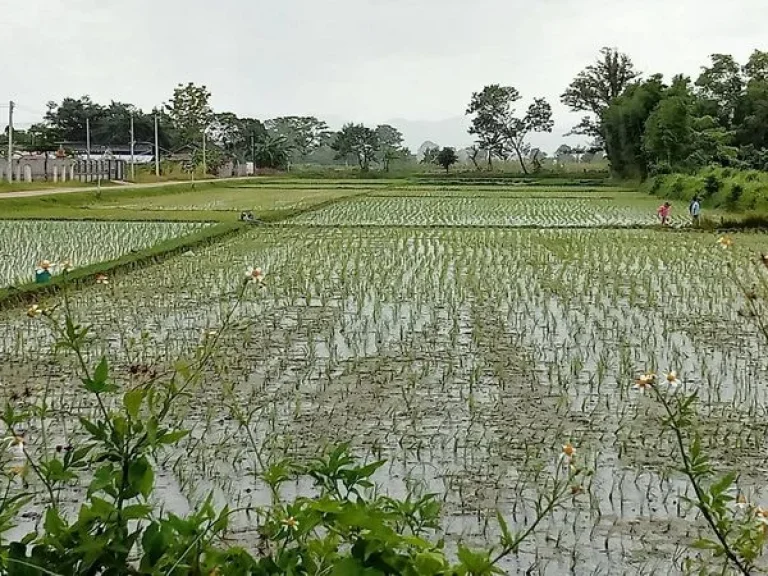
(269, 204)
(209, 202)
(731, 198)
(6, 186)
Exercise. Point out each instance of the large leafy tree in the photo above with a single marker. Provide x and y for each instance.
(596, 87)
(497, 127)
(272, 151)
(358, 141)
(447, 157)
(69, 119)
(114, 125)
(669, 132)
(227, 132)
(756, 68)
(751, 114)
(390, 145)
(304, 134)
(624, 126)
(538, 118)
(721, 84)
(490, 110)
(189, 111)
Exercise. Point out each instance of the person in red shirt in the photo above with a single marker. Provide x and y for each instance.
(663, 213)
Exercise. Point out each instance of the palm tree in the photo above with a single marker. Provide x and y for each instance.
(272, 152)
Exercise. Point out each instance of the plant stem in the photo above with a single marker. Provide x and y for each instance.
(732, 557)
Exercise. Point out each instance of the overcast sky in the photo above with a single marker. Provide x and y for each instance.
(411, 62)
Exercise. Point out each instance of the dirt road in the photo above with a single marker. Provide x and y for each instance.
(114, 186)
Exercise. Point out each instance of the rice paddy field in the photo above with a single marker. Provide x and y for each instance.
(24, 244)
(463, 336)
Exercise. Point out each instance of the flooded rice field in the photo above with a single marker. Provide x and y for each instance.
(24, 244)
(551, 210)
(465, 356)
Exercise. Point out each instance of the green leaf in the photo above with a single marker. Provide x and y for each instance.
(102, 509)
(430, 563)
(506, 536)
(172, 437)
(95, 430)
(706, 544)
(368, 470)
(54, 525)
(474, 562)
(132, 401)
(723, 484)
(102, 371)
(141, 477)
(137, 511)
(103, 480)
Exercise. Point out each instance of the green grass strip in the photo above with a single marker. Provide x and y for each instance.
(30, 292)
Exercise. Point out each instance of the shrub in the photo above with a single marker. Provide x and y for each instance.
(712, 185)
(737, 191)
(678, 187)
(656, 184)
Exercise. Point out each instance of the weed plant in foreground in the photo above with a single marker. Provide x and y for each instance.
(341, 525)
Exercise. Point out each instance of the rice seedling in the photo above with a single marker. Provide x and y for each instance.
(444, 336)
(25, 244)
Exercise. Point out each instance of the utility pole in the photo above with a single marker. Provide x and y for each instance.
(157, 150)
(253, 157)
(205, 166)
(133, 160)
(88, 138)
(10, 141)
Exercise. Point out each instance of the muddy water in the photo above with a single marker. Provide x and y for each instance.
(465, 357)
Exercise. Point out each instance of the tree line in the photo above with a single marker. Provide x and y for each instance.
(648, 126)
(645, 126)
(188, 117)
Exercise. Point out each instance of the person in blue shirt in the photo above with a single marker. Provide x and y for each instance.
(695, 210)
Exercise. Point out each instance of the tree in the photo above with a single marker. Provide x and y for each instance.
(304, 134)
(756, 67)
(473, 152)
(596, 87)
(227, 131)
(114, 125)
(722, 84)
(358, 141)
(498, 130)
(430, 155)
(624, 126)
(272, 151)
(70, 118)
(536, 156)
(190, 111)
(491, 111)
(390, 144)
(564, 151)
(538, 118)
(446, 158)
(751, 114)
(669, 133)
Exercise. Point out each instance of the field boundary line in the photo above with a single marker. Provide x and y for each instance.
(26, 293)
(12, 296)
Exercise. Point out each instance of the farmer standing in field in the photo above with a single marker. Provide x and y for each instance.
(663, 213)
(695, 210)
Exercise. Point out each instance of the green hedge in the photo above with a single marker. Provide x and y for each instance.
(726, 188)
